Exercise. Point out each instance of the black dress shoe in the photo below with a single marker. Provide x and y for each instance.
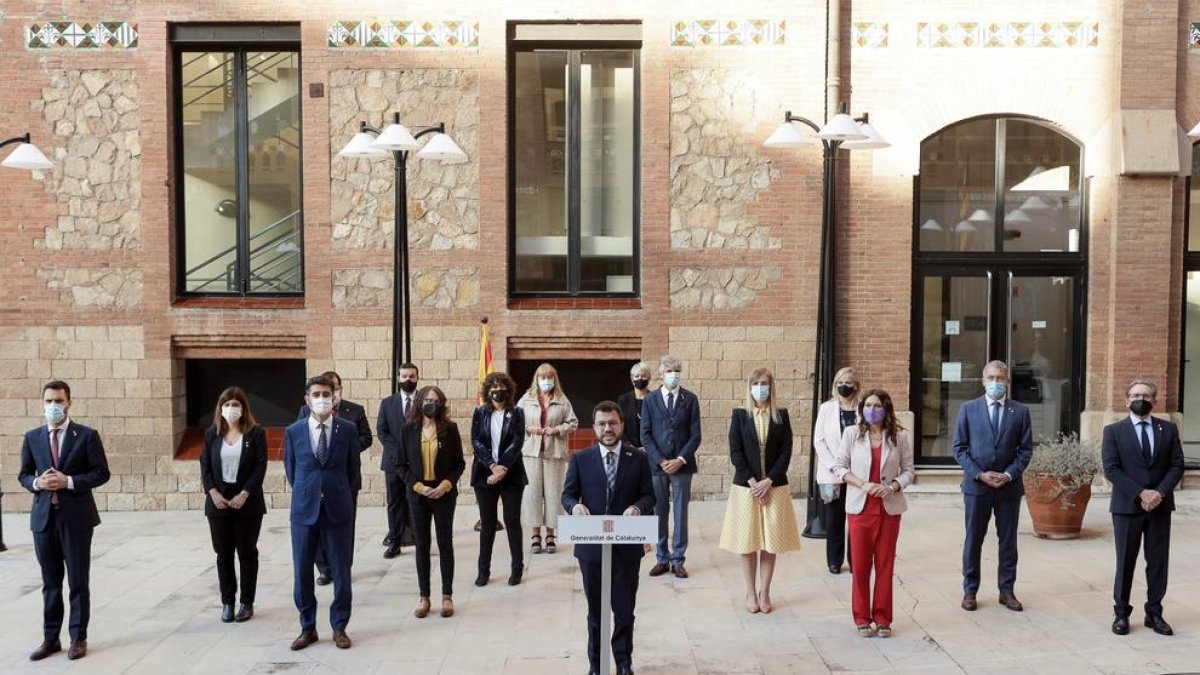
(324, 580)
(3, 548)
(392, 551)
(1120, 625)
(482, 579)
(46, 649)
(387, 541)
(227, 613)
(835, 569)
(514, 578)
(245, 612)
(627, 670)
(1161, 627)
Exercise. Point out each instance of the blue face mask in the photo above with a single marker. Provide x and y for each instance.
(54, 413)
(671, 379)
(760, 392)
(995, 390)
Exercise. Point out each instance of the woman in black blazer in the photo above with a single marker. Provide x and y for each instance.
(759, 519)
(497, 434)
(233, 464)
(432, 487)
(631, 403)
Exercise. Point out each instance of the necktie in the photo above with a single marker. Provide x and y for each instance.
(407, 403)
(610, 468)
(54, 459)
(322, 445)
(996, 418)
(1146, 442)
(671, 404)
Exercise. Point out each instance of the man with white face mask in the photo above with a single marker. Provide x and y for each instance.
(62, 461)
(671, 437)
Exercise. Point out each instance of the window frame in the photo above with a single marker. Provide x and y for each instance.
(573, 48)
(224, 38)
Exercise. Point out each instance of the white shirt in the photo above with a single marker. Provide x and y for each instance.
(231, 458)
(615, 450)
(497, 427)
(314, 432)
(62, 434)
(1137, 430)
(1003, 400)
(667, 392)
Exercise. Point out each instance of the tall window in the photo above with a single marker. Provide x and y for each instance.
(998, 274)
(574, 143)
(1191, 321)
(238, 160)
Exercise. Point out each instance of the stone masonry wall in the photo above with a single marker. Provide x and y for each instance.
(435, 287)
(719, 287)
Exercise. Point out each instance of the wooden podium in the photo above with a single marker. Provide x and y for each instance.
(605, 531)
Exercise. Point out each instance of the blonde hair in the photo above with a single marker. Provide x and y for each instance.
(639, 368)
(546, 371)
(751, 404)
(845, 372)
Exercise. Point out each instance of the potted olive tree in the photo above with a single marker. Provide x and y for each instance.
(1058, 485)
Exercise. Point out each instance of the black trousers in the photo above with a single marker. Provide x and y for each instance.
(321, 561)
(836, 549)
(1128, 533)
(230, 535)
(439, 512)
(488, 499)
(57, 548)
(625, 575)
(399, 519)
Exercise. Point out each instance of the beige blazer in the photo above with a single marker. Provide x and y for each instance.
(854, 457)
(827, 441)
(559, 415)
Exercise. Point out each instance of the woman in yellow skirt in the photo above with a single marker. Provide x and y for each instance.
(759, 519)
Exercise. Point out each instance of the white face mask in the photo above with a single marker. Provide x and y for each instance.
(231, 413)
(55, 413)
(546, 386)
(760, 392)
(320, 406)
(671, 379)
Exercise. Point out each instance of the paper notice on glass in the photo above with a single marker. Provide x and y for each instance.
(952, 328)
(1039, 324)
(952, 371)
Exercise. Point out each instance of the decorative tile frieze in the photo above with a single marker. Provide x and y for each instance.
(728, 33)
(1063, 34)
(403, 34)
(67, 35)
(869, 35)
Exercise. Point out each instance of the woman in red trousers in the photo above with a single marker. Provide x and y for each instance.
(876, 461)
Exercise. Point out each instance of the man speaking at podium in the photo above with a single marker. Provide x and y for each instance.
(610, 478)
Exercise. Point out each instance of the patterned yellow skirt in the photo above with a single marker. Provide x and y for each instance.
(751, 527)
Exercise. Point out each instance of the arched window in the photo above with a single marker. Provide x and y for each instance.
(999, 232)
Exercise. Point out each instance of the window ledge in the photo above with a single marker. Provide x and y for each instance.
(574, 303)
(240, 302)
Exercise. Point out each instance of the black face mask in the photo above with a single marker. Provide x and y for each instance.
(499, 396)
(431, 410)
(1141, 407)
(408, 386)
(641, 384)
(846, 391)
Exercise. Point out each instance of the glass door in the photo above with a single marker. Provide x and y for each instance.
(1042, 350)
(955, 337)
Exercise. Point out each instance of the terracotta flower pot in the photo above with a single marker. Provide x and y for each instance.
(1056, 509)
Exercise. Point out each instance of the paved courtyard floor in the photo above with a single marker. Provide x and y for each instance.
(155, 607)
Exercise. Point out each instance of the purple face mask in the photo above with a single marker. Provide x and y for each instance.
(873, 415)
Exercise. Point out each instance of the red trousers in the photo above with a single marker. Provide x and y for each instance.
(873, 535)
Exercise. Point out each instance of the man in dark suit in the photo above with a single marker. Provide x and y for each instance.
(1143, 458)
(357, 415)
(61, 463)
(321, 461)
(609, 478)
(393, 411)
(671, 437)
(993, 443)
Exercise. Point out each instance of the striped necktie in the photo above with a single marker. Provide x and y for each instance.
(322, 445)
(610, 468)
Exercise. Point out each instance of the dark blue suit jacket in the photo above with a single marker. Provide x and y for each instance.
(1124, 466)
(315, 484)
(587, 483)
(80, 456)
(671, 436)
(357, 415)
(977, 448)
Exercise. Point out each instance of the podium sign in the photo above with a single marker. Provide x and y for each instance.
(607, 531)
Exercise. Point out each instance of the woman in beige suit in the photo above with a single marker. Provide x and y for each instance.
(876, 462)
(549, 421)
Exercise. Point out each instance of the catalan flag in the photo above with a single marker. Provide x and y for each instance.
(485, 355)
